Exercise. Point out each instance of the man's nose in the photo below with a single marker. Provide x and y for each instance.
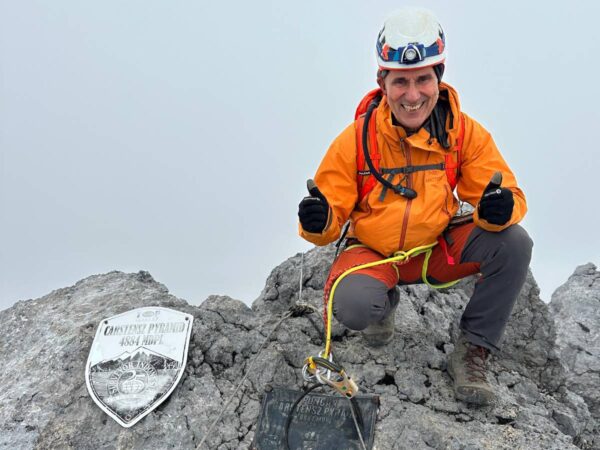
(412, 93)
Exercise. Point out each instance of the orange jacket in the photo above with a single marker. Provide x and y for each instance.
(397, 223)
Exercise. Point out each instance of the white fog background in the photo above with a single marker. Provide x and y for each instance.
(176, 136)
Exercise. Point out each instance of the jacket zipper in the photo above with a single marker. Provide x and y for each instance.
(406, 152)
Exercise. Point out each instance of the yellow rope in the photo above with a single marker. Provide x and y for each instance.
(424, 274)
(398, 256)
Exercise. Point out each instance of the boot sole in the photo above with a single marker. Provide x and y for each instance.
(474, 396)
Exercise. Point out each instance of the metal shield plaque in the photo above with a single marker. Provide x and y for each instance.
(136, 360)
(319, 422)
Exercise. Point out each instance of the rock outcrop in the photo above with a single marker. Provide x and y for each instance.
(576, 310)
(544, 376)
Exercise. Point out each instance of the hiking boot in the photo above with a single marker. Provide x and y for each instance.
(467, 367)
(382, 333)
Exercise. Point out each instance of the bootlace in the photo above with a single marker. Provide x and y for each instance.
(475, 362)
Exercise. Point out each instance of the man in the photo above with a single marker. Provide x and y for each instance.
(391, 174)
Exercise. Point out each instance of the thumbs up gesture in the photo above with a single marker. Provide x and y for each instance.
(313, 210)
(497, 203)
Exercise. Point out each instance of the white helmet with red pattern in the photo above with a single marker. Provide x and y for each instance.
(410, 38)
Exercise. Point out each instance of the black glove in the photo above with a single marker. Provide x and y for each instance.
(496, 204)
(313, 210)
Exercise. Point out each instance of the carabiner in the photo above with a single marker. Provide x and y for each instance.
(336, 376)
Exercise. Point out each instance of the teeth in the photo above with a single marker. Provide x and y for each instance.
(412, 108)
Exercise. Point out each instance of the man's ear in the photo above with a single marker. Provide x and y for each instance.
(381, 83)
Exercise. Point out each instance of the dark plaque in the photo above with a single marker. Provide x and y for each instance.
(319, 422)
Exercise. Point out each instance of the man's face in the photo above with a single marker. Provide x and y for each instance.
(411, 94)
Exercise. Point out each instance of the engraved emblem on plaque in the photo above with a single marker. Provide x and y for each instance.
(319, 422)
(136, 360)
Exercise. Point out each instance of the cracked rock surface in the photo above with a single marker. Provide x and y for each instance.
(45, 342)
(576, 310)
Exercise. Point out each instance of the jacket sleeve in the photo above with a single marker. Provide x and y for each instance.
(480, 160)
(336, 179)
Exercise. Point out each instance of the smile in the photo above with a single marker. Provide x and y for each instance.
(412, 108)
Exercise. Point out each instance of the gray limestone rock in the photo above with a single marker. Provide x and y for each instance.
(44, 344)
(576, 310)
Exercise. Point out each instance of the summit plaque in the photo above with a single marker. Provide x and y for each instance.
(136, 360)
(319, 421)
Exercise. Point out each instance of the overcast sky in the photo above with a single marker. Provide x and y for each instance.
(176, 136)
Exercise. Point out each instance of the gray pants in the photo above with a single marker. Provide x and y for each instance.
(502, 259)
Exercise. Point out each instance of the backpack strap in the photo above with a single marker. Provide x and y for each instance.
(366, 181)
(453, 167)
(362, 107)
